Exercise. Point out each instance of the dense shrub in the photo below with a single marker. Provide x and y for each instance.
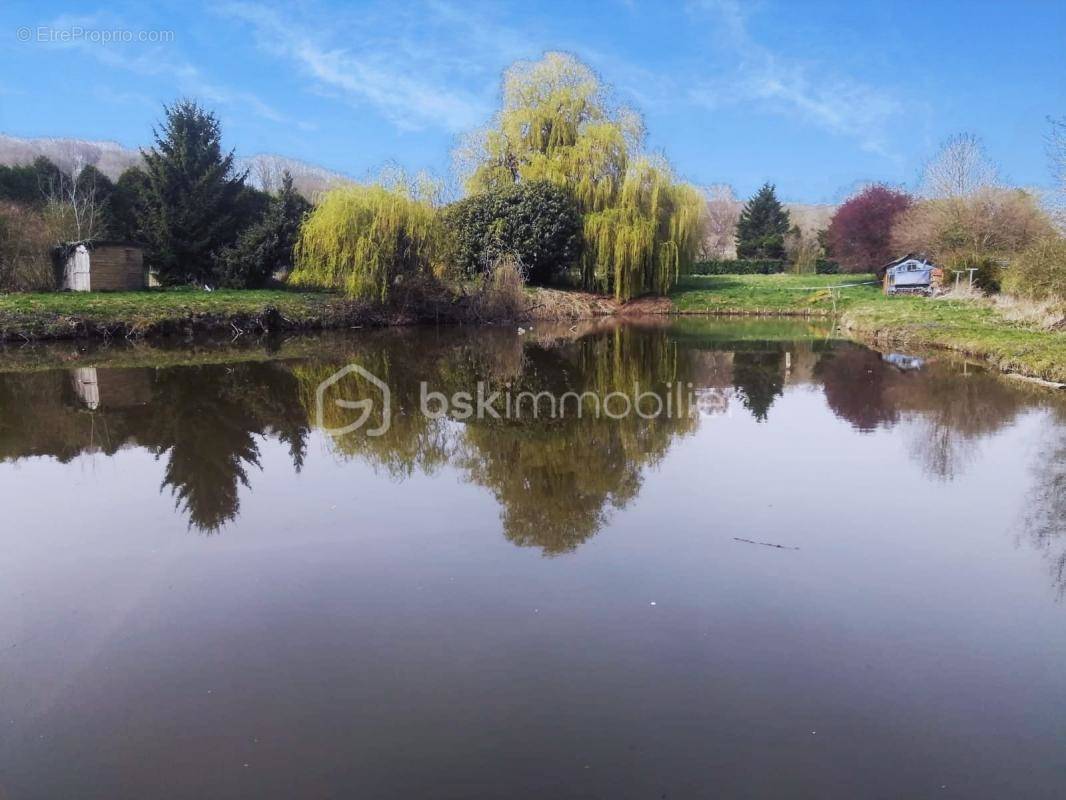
(536, 223)
(749, 266)
(1039, 273)
(739, 266)
(266, 247)
(26, 241)
(987, 278)
(363, 238)
(500, 292)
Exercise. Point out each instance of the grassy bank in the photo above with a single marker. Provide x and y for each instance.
(973, 328)
(798, 295)
(67, 315)
(188, 311)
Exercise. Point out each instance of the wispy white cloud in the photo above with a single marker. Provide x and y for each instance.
(815, 93)
(155, 59)
(407, 73)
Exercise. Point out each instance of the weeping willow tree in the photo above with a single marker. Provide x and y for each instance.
(363, 238)
(641, 226)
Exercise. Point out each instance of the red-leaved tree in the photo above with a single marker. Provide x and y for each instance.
(860, 232)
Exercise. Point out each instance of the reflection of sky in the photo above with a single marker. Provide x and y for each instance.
(362, 627)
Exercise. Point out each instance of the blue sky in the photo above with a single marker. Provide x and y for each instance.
(814, 96)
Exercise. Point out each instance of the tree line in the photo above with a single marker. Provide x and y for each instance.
(558, 191)
(963, 216)
(195, 214)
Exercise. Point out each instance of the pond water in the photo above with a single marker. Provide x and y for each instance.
(827, 573)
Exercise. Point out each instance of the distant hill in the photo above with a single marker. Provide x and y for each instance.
(111, 158)
(811, 217)
(265, 171)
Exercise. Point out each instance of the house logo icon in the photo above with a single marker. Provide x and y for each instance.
(365, 405)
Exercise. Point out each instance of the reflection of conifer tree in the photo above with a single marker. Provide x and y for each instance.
(277, 407)
(210, 418)
(207, 436)
(759, 378)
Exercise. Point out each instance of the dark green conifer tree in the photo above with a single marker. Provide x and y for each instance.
(762, 226)
(192, 196)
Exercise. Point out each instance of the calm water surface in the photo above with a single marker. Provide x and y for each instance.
(204, 594)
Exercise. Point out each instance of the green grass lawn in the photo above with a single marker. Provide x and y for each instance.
(59, 315)
(159, 303)
(971, 327)
(775, 294)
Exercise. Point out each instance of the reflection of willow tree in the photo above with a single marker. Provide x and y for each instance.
(856, 382)
(759, 377)
(402, 361)
(556, 479)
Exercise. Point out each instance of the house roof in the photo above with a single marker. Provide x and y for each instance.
(63, 250)
(916, 256)
(92, 244)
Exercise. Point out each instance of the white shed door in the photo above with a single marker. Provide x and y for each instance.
(87, 387)
(80, 274)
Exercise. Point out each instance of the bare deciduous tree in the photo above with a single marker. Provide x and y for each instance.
(803, 250)
(1057, 151)
(723, 210)
(74, 203)
(990, 220)
(960, 168)
(1056, 148)
(266, 172)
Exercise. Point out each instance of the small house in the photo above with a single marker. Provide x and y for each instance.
(912, 274)
(102, 266)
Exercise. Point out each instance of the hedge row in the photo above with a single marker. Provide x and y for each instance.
(749, 266)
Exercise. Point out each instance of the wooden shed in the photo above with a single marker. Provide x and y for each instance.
(914, 273)
(102, 266)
